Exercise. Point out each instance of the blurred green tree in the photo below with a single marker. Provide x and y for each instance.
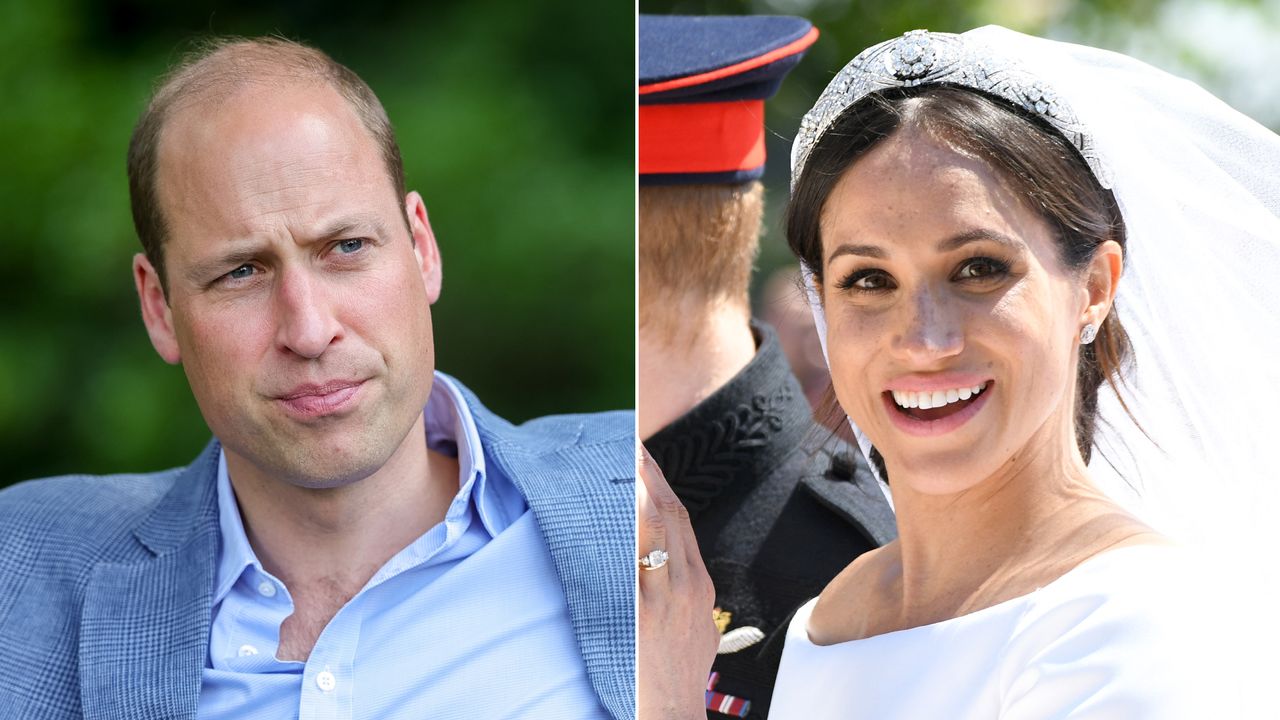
(516, 125)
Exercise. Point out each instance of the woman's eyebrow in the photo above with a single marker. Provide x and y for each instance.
(977, 235)
(871, 251)
(947, 245)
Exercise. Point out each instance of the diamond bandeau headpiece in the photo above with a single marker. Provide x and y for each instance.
(920, 57)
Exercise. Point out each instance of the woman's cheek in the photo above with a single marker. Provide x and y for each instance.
(1027, 336)
(854, 340)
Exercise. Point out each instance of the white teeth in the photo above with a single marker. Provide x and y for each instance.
(934, 399)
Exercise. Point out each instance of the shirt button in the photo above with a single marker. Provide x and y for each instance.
(248, 650)
(266, 588)
(326, 681)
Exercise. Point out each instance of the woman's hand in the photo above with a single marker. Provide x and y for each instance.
(677, 637)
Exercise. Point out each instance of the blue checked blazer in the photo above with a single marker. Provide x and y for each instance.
(106, 582)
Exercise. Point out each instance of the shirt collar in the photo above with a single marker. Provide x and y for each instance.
(451, 429)
(234, 552)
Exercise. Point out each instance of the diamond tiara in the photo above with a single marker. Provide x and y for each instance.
(920, 57)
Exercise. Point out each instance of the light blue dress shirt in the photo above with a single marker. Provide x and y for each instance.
(468, 621)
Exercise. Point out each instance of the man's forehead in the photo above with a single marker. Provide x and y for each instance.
(265, 151)
(264, 118)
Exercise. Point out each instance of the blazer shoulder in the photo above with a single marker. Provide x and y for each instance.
(552, 431)
(90, 512)
(593, 446)
(602, 428)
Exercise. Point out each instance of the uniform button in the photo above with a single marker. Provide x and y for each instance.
(266, 588)
(248, 650)
(843, 467)
(326, 681)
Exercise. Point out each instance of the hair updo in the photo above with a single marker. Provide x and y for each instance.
(1034, 160)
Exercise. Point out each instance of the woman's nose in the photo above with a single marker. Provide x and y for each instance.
(931, 328)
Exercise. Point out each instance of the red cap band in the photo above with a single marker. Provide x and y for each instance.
(701, 137)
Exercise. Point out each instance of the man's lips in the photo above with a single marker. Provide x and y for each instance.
(318, 390)
(318, 400)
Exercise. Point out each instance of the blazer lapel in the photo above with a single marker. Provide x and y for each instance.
(580, 503)
(144, 628)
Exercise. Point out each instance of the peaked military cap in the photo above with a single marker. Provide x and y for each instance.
(702, 86)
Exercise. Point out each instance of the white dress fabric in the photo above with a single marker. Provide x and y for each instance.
(1121, 636)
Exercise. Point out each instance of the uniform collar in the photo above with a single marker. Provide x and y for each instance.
(738, 434)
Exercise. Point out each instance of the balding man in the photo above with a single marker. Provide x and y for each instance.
(361, 538)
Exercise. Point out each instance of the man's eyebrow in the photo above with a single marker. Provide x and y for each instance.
(199, 273)
(343, 228)
(952, 243)
(352, 225)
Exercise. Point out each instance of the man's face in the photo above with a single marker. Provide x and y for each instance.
(298, 305)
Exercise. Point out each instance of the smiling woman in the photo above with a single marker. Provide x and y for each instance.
(958, 282)
(964, 239)
(1005, 196)
(957, 279)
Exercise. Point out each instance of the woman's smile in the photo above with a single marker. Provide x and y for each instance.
(935, 412)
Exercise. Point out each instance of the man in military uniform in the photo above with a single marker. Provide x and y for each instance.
(779, 505)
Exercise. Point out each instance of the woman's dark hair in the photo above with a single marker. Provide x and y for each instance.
(1034, 160)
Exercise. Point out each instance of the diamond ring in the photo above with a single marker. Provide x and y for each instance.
(654, 560)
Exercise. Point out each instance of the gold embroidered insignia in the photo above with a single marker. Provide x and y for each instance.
(722, 618)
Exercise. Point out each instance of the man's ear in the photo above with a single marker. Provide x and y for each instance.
(424, 245)
(1102, 280)
(155, 310)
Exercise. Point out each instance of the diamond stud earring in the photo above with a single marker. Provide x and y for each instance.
(1088, 333)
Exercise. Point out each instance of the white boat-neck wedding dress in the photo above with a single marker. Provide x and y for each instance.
(1119, 636)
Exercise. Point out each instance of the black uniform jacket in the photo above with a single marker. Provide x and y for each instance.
(779, 504)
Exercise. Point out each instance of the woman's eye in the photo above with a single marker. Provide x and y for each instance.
(347, 247)
(979, 268)
(867, 281)
(870, 282)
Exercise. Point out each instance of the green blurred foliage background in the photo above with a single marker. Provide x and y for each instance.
(516, 123)
(1230, 47)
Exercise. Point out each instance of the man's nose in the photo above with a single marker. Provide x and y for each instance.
(306, 322)
(931, 330)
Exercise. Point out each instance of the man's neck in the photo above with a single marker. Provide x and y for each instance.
(688, 350)
(341, 536)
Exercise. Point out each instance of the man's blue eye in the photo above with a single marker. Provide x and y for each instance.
(350, 246)
(241, 272)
